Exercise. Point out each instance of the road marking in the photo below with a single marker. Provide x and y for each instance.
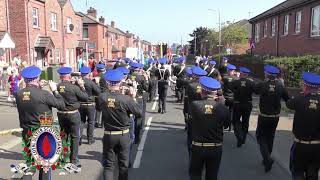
(137, 160)
(155, 104)
(7, 146)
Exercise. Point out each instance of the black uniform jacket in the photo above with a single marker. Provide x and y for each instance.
(32, 102)
(116, 109)
(243, 89)
(227, 86)
(92, 89)
(208, 118)
(306, 123)
(163, 77)
(271, 92)
(72, 95)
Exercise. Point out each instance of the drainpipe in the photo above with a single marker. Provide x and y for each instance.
(62, 31)
(28, 38)
(278, 34)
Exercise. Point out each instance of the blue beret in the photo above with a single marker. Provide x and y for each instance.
(113, 76)
(135, 65)
(212, 62)
(204, 60)
(150, 61)
(64, 70)
(271, 70)
(198, 71)
(31, 72)
(181, 59)
(231, 67)
(85, 70)
(163, 60)
(124, 70)
(245, 70)
(189, 71)
(225, 59)
(209, 84)
(127, 60)
(100, 66)
(311, 79)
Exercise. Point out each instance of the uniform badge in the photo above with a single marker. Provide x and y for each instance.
(313, 104)
(26, 96)
(61, 89)
(272, 88)
(133, 78)
(243, 83)
(199, 89)
(111, 103)
(229, 79)
(209, 109)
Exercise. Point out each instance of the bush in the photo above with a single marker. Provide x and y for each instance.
(292, 67)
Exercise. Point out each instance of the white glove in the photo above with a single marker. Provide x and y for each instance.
(53, 86)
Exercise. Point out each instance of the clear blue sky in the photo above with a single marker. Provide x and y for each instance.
(169, 20)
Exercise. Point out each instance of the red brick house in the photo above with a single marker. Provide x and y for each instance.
(6, 42)
(46, 31)
(289, 29)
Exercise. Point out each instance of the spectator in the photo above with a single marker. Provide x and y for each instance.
(14, 81)
(80, 63)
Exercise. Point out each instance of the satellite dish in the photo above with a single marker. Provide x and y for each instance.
(71, 27)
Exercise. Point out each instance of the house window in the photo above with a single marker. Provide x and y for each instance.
(298, 22)
(57, 55)
(51, 56)
(69, 22)
(85, 32)
(257, 33)
(35, 17)
(273, 27)
(54, 22)
(315, 22)
(265, 31)
(286, 25)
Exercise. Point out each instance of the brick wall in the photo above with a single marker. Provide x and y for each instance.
(292, 44)
(3, 15)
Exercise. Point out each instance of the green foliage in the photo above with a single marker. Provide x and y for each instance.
(233, 34)
(292, 67)
(199, 35)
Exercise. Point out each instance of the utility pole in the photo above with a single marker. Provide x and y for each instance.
(220, 33)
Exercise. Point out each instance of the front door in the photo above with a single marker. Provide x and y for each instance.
(40, 59)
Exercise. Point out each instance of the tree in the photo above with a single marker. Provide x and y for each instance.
(233, 35)
(199, 36)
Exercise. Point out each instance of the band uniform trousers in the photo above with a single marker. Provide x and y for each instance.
(87, 113)
(132, 137)
(42, 174)
(162, 91)
(144, 109)
(180, 90)
(305, 161)
(265, 133)
(241, 116)
(208, 157)
(98, 120)
(70, 123)
(152, 89)
(229, 104)
(138, 122)
(116, 147)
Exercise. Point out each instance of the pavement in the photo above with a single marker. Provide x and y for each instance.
(162, 153)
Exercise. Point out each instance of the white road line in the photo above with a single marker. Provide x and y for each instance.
(155, 104)
(7, 146)
(137, 161)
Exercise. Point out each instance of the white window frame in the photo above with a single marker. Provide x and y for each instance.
(265, 30)
(87, 29)
(69, 21)
(57, 54)
(54, 23)
(273, 27)
(35, 17)
(286, 25)
(257, 32)
(315, 32)
(298, 22)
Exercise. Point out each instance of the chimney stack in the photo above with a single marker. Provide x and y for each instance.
(102, 20)
(92, 12)
(113, 24)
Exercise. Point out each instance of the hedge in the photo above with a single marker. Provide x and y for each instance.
(292, 67)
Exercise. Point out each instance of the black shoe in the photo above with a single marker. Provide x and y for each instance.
(159, 110)
(239, 144)
(96, 125)
(91, 142)
(163, 112)
(268, 165)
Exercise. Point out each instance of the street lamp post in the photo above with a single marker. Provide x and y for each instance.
(220, 34)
